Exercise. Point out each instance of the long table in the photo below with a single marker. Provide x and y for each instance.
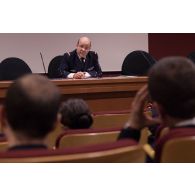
(102, 94)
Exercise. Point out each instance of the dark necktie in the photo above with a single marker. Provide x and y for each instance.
(83, 61)
(83, 64)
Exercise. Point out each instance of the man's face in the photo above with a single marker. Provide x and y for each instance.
(83, 47)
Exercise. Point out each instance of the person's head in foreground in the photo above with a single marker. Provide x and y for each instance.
(30, 111)
(171, 86)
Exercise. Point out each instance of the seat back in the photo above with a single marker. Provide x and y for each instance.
(117, 119)
(110, 120)
(77, 138)
(121, 151)
(172, 147)
(137, 63)
(180, 150)
(53, 135)
(13, 68)
(53, 68)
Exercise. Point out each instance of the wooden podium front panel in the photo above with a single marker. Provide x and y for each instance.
(102, 94)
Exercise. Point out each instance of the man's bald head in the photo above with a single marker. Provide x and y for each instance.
(31, 106)
(84, 40)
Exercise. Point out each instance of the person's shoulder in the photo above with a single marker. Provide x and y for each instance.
(69, 54)
(93, 53)
(73, 53)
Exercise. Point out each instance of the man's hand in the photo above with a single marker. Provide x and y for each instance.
(79, 75)
(138, 118)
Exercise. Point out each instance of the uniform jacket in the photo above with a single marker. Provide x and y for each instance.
(72, 64)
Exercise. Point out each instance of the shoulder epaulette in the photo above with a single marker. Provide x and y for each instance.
(94, 52)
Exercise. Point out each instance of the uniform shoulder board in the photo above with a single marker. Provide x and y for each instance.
(94, 52)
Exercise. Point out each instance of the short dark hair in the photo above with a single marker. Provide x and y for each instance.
(75, 114)
(31, 104)
(172, 85)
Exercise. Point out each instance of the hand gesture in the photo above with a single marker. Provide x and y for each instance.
(138, 118)
(79, 75)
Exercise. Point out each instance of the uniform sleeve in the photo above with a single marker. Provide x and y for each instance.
(129, 133)
(64, 66)
(97, 72)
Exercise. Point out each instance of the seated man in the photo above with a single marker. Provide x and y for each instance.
(30, 112)
(171, 87)
(80, 63)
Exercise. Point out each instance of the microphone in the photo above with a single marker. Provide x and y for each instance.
(43, 62)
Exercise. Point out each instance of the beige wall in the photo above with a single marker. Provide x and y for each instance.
(111, 47)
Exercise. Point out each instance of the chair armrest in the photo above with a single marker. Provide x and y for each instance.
(149, 150)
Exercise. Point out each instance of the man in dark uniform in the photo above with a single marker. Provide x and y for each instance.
(81, 63)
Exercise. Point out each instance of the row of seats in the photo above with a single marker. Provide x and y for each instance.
(82, 140)
(176, 146)
(118, 151)
(102, 123)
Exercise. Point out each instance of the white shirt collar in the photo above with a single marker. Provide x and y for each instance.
(81, 57)
(186, 122)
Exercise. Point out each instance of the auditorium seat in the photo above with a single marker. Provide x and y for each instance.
(81, 137)
(176, 146)
(179, 150)
(53, 68)
(137, 63)
(13, 68)
(117, 119)
(110, 120)
(116, 152)
(51, 138)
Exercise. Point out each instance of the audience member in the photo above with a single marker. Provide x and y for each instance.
(30, 112)
(75, 114)
(171, 87)
(81, 63)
